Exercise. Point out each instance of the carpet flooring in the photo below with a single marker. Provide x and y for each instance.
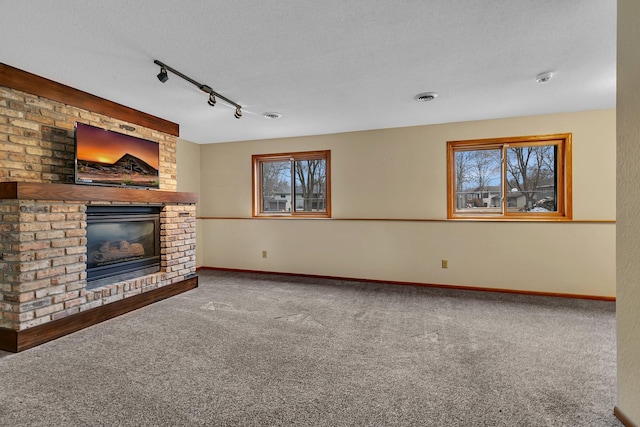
(264, 350)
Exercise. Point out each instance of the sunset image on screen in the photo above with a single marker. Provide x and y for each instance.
(111, 158)
(99, 145)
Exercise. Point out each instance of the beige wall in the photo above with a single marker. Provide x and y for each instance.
(401, 174)
(628, 205)
(188, 166)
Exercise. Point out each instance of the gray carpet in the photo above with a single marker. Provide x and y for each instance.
(261, 350)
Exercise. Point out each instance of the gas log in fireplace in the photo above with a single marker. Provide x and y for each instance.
(123, 242)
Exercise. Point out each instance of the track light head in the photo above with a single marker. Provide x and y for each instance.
(162, 75)
(212, 100)
(238, 113)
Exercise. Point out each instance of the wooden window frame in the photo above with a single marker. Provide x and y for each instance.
(258, 159)
(563, 186)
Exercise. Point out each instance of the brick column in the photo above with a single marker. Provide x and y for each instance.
(43, 261)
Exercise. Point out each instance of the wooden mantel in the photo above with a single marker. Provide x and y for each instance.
(79, 193)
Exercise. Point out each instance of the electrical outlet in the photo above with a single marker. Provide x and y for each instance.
(445, 263)
(264, 254)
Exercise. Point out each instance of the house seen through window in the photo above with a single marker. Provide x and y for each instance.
(510, 178)
(292, 184)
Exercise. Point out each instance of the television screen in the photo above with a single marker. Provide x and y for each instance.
(104, 157)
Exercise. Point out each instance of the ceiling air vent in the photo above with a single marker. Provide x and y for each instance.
(425, 96)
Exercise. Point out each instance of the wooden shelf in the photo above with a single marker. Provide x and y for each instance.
(80, 193)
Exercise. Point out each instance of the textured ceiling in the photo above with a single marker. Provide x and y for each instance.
(327, 66)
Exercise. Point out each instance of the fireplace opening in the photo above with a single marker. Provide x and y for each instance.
(123, 242)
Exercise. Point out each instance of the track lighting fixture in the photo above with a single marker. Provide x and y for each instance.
(163, 77)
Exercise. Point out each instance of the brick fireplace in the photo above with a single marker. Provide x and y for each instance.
(44, 252)
(44, 289)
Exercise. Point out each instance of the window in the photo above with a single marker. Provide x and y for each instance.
(510, 178)
(292, 184)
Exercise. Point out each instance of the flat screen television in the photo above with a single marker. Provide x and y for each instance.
(104, 157)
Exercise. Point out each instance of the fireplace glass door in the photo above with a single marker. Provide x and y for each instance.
(122, 243)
